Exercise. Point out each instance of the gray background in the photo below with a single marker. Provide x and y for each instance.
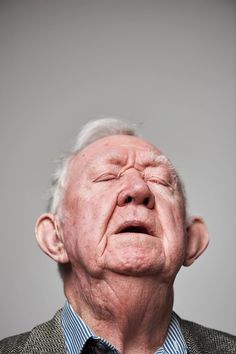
(167, 65)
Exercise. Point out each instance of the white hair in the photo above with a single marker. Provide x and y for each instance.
(90, 132)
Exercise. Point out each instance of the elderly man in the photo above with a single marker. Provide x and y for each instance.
(119, 231)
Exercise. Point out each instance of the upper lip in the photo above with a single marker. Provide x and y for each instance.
(135, 226)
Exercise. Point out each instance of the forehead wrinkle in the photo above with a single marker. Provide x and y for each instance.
(112, 157)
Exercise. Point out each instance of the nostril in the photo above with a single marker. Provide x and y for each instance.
(146, 201)
(128, 199)
(136, 195)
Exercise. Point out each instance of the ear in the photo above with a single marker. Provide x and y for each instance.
(197, 240)
(49, 238)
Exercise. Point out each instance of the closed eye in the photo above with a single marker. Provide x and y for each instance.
(105, 177)
(159, 180)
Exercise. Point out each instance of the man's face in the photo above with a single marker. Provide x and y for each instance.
(123, 212)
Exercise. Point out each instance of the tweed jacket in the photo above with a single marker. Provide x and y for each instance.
(47, 338)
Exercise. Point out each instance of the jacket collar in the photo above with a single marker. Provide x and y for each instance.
(48, 337)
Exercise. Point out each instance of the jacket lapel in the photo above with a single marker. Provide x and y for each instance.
(191, 342)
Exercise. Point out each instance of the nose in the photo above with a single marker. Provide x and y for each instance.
(136, 191)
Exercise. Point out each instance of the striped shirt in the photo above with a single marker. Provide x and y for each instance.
(80, 339)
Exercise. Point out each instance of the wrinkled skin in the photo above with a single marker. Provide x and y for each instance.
(118, 182)
(121, 227)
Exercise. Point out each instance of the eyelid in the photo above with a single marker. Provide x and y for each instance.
(159, 180)
(105, 177)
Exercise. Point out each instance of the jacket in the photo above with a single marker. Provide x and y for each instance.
(48, 338)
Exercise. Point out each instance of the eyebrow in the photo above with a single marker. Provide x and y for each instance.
(146, 158)
(151, 158)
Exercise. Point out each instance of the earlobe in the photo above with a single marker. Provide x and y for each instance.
(49, 238)
(197, 240)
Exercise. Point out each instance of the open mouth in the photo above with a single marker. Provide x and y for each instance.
(137, 228)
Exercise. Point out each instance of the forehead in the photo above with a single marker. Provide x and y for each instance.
(114, 148)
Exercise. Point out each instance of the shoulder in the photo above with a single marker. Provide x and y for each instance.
(207, 340)
(44, 338)
(13, 344)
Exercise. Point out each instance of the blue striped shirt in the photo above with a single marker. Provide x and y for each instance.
(79, 338)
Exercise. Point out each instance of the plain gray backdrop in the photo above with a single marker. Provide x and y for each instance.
(168, 66)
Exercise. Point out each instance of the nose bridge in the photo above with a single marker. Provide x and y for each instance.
(135, 190)
(134, 174)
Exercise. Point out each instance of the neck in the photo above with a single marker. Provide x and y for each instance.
(132, 313)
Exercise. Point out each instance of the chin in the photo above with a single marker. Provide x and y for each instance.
(135, 268)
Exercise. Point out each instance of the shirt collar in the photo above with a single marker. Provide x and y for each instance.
(77, 333)
(174, 342)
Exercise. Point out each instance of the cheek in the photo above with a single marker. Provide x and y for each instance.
(170, 209)
(82, 245)
(94, 211)
(173, 226)
(86, 221)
